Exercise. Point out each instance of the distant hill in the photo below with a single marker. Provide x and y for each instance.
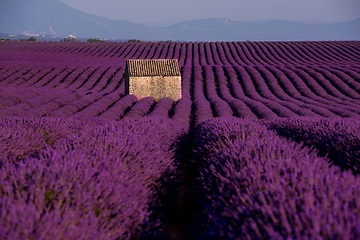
(52, 17)
(266, 30)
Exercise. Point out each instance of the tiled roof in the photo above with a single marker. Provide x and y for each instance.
(152, 67)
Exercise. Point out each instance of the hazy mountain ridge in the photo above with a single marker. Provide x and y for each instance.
(52, 17)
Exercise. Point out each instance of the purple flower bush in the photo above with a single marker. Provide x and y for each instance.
(118, 109)
(140, 108)
(221, 107)
(182, 112)
(99, 106)
(162, 107)
(336, 138)
(83, 179)
(254, 184)
(80, 159)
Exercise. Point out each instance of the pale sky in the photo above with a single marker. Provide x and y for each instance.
(153, 11)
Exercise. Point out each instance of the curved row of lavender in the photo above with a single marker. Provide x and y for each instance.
(253, 184)
(58, 103)
(253, 80)
(336, 138)
(67, 178)
(195, 53)
(90, 178)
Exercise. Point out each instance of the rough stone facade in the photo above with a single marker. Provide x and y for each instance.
(153, 78)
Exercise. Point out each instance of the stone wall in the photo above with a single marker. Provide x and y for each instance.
(156, 87)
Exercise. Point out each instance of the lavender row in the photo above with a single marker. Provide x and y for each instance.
(141, 108)
(99, 106)
(227, 89)
(33, 102)
(322, 87)
(221, 107)
(204, 53)
(336, 138)
(272, 89)
(279, 88)
(254, 184)
(254, 92)
(296, 87)
(21, 75)
(248, 78)
(75, 78)
(226, 86)
(162, 108)
(202, 107)
(11, 96)
(186, 80)
(182, 113)
(117, 110)
(341, 77)
(88, 179)
(257, 108)
(75, 106)
(62, 97)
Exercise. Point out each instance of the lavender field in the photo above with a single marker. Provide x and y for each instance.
(263, 144)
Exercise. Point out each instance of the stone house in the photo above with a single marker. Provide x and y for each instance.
(155, 78)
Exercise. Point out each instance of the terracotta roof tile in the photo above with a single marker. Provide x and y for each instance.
(152, 67)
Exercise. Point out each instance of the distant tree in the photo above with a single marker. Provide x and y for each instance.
(32, 39)
(94, 40)
(134, 40)
(68, 39)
